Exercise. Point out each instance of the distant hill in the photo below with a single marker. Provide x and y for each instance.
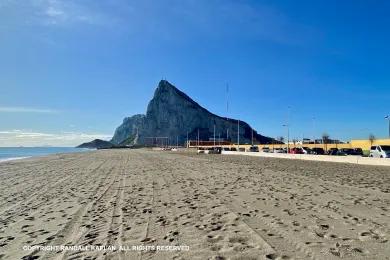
(172, 114)
(97, 144)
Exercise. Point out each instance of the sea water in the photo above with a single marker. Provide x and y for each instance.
(13, 153)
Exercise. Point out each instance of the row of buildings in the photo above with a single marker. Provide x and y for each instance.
(364, 144)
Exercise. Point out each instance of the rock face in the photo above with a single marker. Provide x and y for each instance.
(173, 114)
(96, 144)
(126, 133)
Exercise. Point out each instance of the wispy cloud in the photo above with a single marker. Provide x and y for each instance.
(27, 110)
(18, 137)
(67, 12)
(166, 19)
(53, 12)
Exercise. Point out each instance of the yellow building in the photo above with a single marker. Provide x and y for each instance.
(363, 144)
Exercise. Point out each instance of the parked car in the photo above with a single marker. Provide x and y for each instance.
(332, 151)
(233, 149)
(226, 149)
(254, 149)
(352, 151)
(215, 150)
(336, 151)
(318, 151)
(200, 150)
(380, 151)
(358, 151)
(241, 149)
(296, 150)
(348, 151)
(278, 150)
(265, 149)
(306, 150)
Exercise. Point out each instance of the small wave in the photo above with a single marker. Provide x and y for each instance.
(13, 158)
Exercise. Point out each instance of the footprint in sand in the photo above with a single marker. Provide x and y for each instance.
(372, 235)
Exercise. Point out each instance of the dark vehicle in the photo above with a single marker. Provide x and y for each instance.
(233, 149)
(358, 151)
(318, 151)
(306, 150)
(215, 150)
(226, 149)
(335, 151)
(241, 149)
(254, 149)
(296, 151)
(348, 151)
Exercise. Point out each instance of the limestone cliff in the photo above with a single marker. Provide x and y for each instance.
(173, 114)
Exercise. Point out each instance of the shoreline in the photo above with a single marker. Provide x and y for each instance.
(3, 160)
(40, 155)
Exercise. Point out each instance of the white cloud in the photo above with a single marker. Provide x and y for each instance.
(30, 138)
(166, 19)
(66, 12)
(54, 12)
(27, 110)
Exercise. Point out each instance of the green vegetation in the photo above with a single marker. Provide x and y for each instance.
(128, 141)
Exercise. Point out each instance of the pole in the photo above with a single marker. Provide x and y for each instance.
(187, 140)
(388, 119)
(288, 139)
(238, 135)
(288, 129)
(227, 111)
(198, 138)
(314, 134)
(252, 136)
(214, 135)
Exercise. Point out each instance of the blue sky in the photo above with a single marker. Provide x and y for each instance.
(70, 70)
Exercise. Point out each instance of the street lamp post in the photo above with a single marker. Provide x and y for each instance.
(314, 130)
(238, 135)
(288, 137)
(214, 135)
(388, 119)
(252, 136)
(198, 138)
(288, 129)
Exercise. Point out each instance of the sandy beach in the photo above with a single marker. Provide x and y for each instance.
(138, 202)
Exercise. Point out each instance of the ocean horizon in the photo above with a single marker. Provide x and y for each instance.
(17, 153)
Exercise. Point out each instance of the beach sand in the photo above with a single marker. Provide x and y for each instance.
(214, 206)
